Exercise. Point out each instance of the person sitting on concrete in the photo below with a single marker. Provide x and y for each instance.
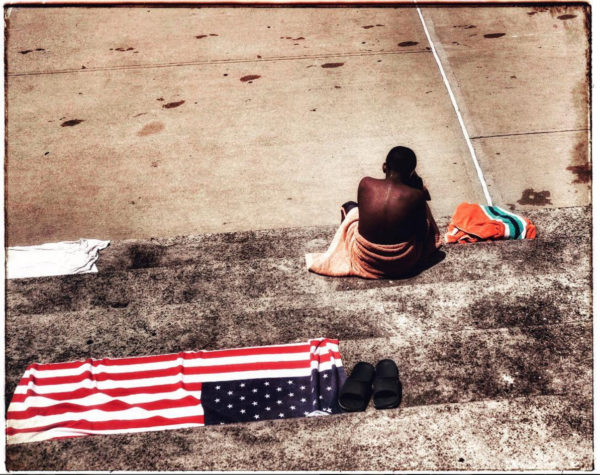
(396, 231)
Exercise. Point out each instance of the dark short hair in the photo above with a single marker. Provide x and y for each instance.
(401, 160)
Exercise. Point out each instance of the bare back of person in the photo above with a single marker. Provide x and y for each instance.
(390, 211)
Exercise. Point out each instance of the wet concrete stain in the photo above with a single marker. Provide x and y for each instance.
(151, 128)
(71, 123)
(250, 77)
(144, 256)
(368, 27)
(124, 49)
(580, 164)
(172, 105)
(154, 164)
(83, 67)
(331, 65)
(338, 87)
(466, 27)
(160, 99)
(26, 51)
(537, 198)
(513, 77)
(201, 36)
(408, 43)
(582, 172)
(566, 17)
(532, 13)
(140, 114)
(494, 35)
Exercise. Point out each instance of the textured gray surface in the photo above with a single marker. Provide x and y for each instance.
(543, 432)
(494, 346)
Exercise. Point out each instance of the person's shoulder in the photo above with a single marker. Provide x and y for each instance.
(368, 182)
(414, 195)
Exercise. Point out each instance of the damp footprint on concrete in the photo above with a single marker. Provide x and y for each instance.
(249, 78)
(71, 122)
(172, 105)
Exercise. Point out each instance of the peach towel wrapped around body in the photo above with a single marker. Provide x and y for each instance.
(350, 254)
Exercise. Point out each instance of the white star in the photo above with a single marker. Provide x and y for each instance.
(278, 389)
(242, 398)
(291, 394)
(267, 396)
(267, 408)
(303, 387)
(315, 402)
(328, 388)
(320, 397)
(256, 416)
(255, 390)
(281, 414)
(266, 383)
(278, 402)
(325, 376)
(303, 399)
(230, 392)
(255, 403)
(243, 411)
(217, 400)
(221, 423)
(292, 407)
(242, 385)
(217, 387)
(229, 406)
(290, 381)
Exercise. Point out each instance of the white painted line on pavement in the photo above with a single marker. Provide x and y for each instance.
(458, 114)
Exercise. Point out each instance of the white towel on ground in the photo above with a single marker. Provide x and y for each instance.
(56, 258)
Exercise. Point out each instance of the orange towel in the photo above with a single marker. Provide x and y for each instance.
(473, 222)
(350, 254)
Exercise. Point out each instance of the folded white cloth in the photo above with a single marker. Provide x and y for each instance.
(56, 258)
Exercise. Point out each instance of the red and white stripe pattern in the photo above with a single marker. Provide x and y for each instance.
(111, 396)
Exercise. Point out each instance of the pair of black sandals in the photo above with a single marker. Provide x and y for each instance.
(365, 380)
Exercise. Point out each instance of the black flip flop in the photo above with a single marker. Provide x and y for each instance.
(356, 391)
(387, 389)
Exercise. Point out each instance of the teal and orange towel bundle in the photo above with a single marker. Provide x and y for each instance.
(474, 222)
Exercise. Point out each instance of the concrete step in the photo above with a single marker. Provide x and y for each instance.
(245, 280)
(140, 329)
(290, 242)
(436, 367)
(529, 433)
(493, 344)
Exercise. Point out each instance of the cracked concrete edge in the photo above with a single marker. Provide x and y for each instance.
(250, 279)
(552, 223)
(530, 433)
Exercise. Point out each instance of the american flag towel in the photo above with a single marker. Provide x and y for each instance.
(187, 389)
